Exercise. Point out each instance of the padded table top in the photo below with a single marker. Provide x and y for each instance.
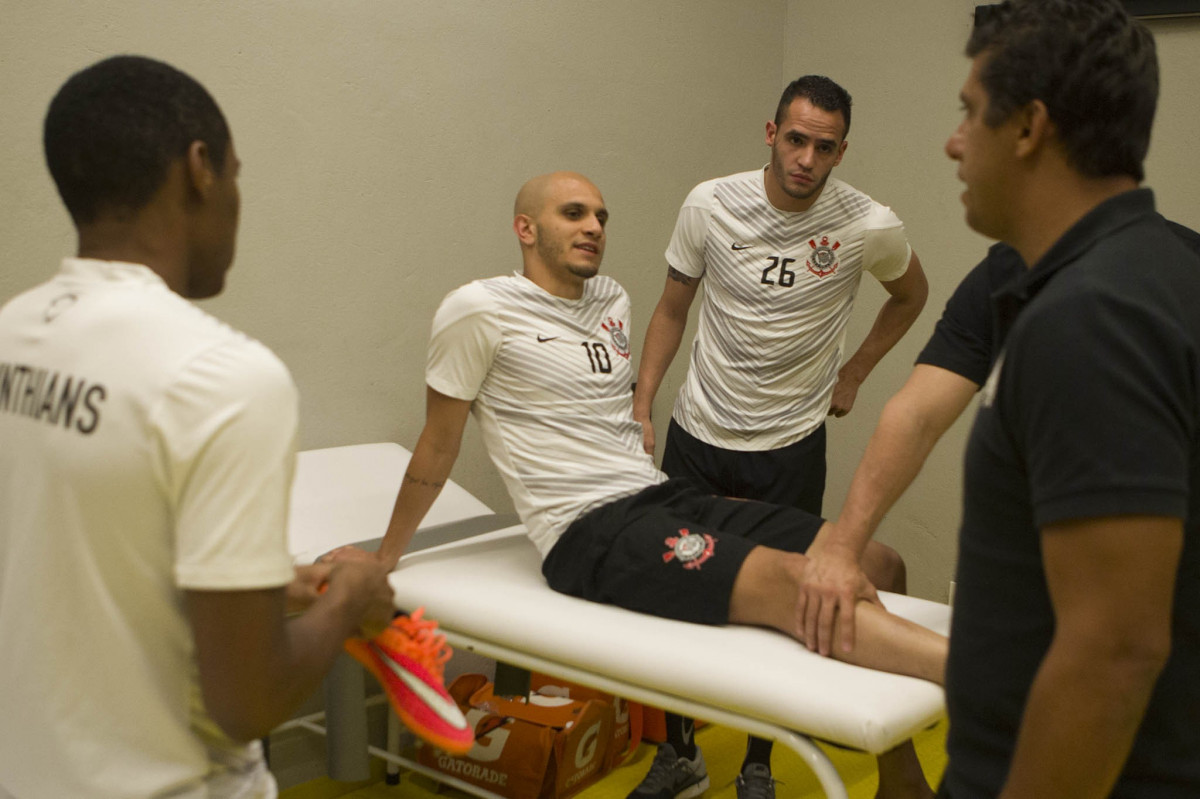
(343, 495)
(490, 588)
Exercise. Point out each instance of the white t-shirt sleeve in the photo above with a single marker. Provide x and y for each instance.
(886, 251)
(465, 338)
(686, 249)
(228, 431)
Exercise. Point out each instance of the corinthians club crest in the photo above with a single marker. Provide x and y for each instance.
(616, 330)
(692, 549)
(823, 260)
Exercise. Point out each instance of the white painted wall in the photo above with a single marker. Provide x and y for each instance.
(904, 65)
(383, 141)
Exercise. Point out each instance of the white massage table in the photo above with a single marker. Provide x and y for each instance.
(487, 594)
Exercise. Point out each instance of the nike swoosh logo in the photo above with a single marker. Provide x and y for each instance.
(544, 339)
(444, 708)
(736, 246)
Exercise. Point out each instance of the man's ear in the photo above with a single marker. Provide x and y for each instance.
(1034, 128)
(200, 173)
(525, 228)
(771, 131)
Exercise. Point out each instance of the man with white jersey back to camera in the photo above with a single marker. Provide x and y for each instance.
(781, 252)
(146, 460)
(541, 358)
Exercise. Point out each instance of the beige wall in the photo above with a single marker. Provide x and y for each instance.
(382, 144)
(903, 64)
(383, 141)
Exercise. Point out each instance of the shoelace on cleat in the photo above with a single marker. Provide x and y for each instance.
(416, 637)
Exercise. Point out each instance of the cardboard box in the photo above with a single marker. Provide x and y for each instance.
(540, 748)
(627, 716)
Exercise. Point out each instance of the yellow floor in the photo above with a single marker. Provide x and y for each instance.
(723, 750)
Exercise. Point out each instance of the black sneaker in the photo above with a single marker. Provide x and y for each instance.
(755, 782)
(673, 777)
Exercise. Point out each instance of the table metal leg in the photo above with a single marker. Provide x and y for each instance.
(346, 721)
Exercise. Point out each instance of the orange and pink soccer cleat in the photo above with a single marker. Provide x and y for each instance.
(408, 659)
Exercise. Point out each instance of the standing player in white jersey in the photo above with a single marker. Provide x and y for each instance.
(781, 251)
(542, 360)
(144, 472)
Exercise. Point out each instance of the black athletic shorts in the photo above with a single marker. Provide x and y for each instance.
(671, 550)
(793, 475)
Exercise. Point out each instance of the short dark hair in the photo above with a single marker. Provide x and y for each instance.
(114, 128)
(821, 92)
(1094, 68)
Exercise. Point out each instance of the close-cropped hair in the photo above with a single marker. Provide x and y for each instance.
(114, 128)
(821, 92)
(1094, 68)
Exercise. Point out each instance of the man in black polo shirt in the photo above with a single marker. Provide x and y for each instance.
(949, 371)
(1076, 635)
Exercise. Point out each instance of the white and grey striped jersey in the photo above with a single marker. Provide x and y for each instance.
(550, 382)
(778, 290)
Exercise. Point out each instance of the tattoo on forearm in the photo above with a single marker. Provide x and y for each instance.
(420, 481)
(680, 277)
